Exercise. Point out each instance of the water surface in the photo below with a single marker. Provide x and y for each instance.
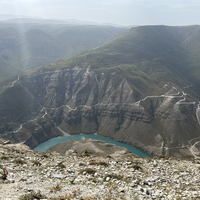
(51, 142)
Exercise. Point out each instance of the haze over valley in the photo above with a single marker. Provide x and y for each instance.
(126, 70)
(138, 86)
(29, 44)
(99, 99)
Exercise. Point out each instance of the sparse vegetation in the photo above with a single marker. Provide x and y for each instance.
(88, 171)
(113, 176)
(56, 188)
(99, 163)
(137, 167)
(36, 162)
(68, 196)
(109, 157)
(61, 165)
(93, 180)
(19, 161)
(4, 158)
(116, 184)
(82, 164)
(3, 173)
(33, 196)
(86, 153)
(44, 155)
(8, 142)
(163, 157)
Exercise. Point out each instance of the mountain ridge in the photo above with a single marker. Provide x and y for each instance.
(138, 88)
(28, 45)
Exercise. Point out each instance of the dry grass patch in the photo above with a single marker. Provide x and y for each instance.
(113, 176)
(36, 162)
(99, 163)
(32, 196)
(4, 158)
(56, 188)
(19, 161)
(137, 167)
(88, 171)
(3, 173)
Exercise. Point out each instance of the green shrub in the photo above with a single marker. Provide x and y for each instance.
(163, 157)
(82, 164)
(88, 170)
(4, 173)
(109, 157)
(7, 142)
(61, 165)
(19, 161)
(32, 196)
(44, 155)
(4, 158)
(113, 176)
(70, 196)
(99, 163)
(56, 188)
(94, 180)
(36, 162)
(137, 167)
(86, 153)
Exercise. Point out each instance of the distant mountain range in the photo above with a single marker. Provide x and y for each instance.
(141, 88)
(28, 19)
(30, 43)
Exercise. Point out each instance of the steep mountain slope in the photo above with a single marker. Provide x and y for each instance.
(9, 65)
(28, 45)
(36, 48)
(140, 88)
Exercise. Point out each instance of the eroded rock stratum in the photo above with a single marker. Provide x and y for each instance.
(40, 106)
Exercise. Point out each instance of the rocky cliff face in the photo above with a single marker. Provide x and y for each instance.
(80, 100)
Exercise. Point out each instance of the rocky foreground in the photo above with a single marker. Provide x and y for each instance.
(34, 175)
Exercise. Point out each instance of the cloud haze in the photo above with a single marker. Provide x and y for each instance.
(124, 12)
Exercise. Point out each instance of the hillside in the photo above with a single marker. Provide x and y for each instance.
(141, 88)
(28, 45)
(37, 175)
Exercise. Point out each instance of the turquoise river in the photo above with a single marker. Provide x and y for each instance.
(51, 142)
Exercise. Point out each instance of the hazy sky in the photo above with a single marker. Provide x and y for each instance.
(124, 12)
